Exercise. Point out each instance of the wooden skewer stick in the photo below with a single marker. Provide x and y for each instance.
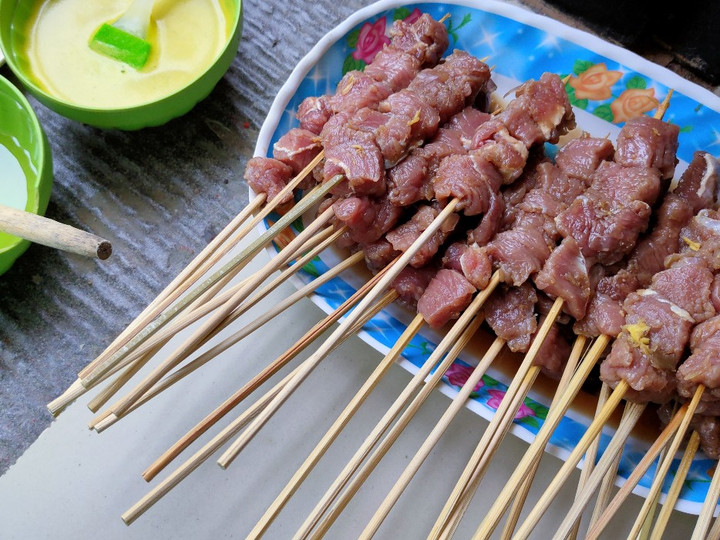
(387, 279)
(339, 424)
(228, 342)
(499, 420)
(455, 407)
(197, 337)
(708, 507)
(631, 415)
(104, 363)
(650, 515)
(536, 448)
(678, 426)
(714, 533)
(51, 233)
(207, 258)
(371, 440)
(259, 379)
(226, 434)
(521, 496)
(145, 352)
(461, 332)
(677, 485)
(665, 464)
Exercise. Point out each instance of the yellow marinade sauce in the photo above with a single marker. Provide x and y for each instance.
(186, 37)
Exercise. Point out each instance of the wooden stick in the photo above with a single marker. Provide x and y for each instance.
(189, 273)
(499, 421)
(676, 487)
(675, 425)
(205, 306)
(339, 424)
(207, 258)
(258, 380)
(387, 279)
(662, 471)
(197, 337)
(213, 445)
(631, 415)
(455, 407)
(589, 466)
(708, 508)
(714, 533)
(536, 448)
(51, 233)
(650, 515)
(244, 332)
(101, 367)
(402, 400)
(521, 496)
(458, 344)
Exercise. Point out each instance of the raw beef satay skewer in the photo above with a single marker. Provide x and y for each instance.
(595, 245)
(553, 126)
(678, 297)
(413, 46)
(238, 424)
(517, 331)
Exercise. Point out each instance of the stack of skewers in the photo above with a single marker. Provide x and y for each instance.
(459, 214)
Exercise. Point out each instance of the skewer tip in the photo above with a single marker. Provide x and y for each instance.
(445, 17)
(74, 391)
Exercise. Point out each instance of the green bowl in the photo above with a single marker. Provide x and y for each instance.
(13, 16)
(22, 135)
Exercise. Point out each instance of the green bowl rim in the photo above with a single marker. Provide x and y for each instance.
(35, 89)
(41, 181)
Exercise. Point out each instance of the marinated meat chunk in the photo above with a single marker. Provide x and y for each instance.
(313, 113)
(519, 253)
(445, 298)
(493, 143)
(703, 367)
(357, 90)
(510, 312)
(608, 218)
(297, 148)
(553, 353)
(425, 39)
(604, 316)
(565, 275)
(408, 181)
(648, 142)
(581, 157)
(269, 176)
(395, 69)
(453, 254)
(379, 254)
(367, 219)
(410, 284)
(473, 181)
(403, 236)
(476, 266)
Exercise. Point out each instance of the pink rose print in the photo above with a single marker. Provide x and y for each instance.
(414, 16)
(370, 41)
(496, 399)
(458, 375)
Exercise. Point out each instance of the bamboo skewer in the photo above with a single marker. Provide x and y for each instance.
(521, 496)
(708, 507)
(455, 407)
(197, 337)
(631, 415)
(380, 428)
(386, 280)
(339, 424)
(105, 362)
(51, 233)
(500, 419)
(665, 464)
(676, 487)
(228, 432)
(254, 383)
(535, 450)
(714, 533)
(678, 426)
(237, 336)
(154, 344)
(461, 333)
